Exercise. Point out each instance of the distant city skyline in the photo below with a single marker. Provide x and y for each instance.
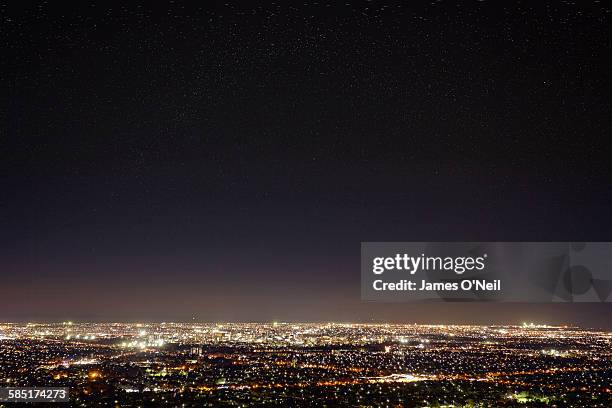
(556, 314)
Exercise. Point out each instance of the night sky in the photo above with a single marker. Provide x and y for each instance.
(224, 162)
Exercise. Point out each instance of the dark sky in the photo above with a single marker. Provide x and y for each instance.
(224, 162)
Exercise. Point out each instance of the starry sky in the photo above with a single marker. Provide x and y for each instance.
(223, 161)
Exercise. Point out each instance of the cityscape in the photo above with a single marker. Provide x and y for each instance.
(191, 191)
(310, 364)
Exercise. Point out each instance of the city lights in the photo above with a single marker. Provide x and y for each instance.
(293, 364)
